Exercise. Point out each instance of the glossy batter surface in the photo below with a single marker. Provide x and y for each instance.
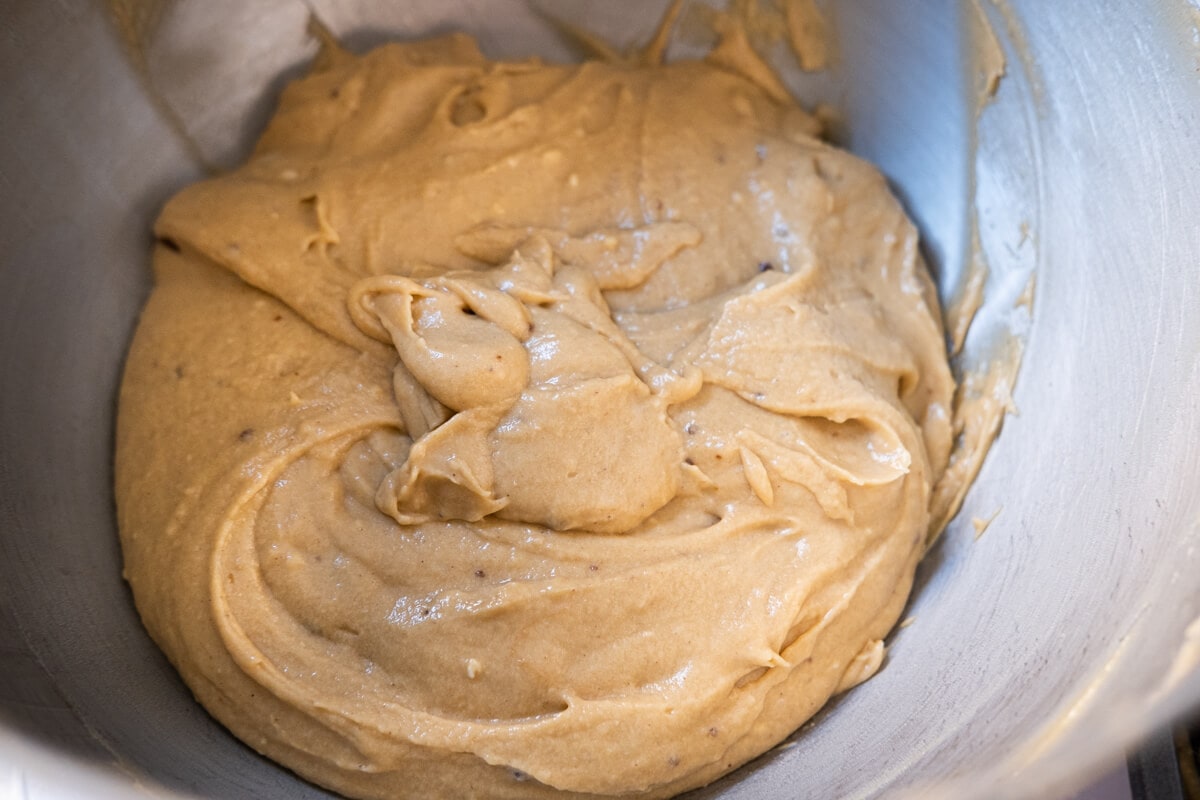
(504, 429)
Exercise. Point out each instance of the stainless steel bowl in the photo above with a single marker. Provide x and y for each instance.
(1038, 651)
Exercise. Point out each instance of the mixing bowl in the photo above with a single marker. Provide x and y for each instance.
(1037, 651)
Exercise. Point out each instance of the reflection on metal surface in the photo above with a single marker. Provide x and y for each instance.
(136, 22)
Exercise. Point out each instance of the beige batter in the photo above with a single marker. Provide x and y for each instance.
(503, 429)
